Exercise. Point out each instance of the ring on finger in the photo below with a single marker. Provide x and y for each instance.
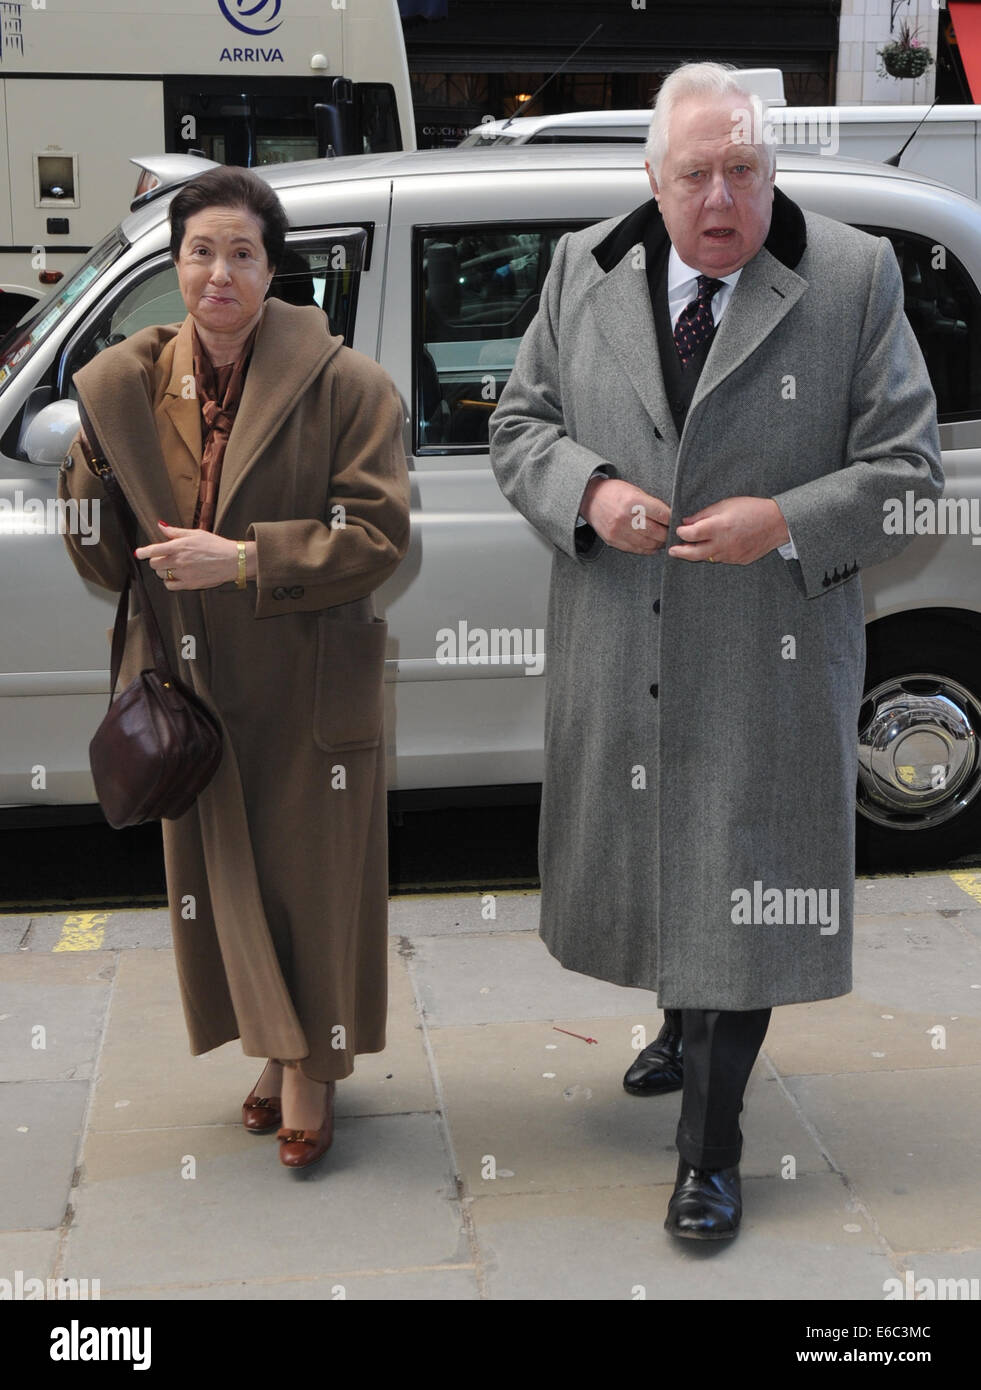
(170, 576)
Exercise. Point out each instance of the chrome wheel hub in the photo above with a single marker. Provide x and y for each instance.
(918, 756)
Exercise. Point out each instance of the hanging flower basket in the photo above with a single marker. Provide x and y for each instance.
(905, 56)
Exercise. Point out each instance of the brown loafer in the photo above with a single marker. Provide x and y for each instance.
(261, 1114)
(298, 1148)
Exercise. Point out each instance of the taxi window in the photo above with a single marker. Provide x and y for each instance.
(944, 310)
(24, 338)
(477, 289)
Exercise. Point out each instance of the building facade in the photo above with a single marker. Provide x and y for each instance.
(469, 59)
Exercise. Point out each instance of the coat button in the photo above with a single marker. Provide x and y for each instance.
(657, 605)
(654, 691)
(279, 592)
(297, 591)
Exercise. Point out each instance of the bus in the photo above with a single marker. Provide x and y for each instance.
(87, 86)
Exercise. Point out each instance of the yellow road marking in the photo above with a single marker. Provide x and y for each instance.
(82, 931)
(970, 882)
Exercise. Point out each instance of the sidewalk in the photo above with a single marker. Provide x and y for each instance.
(484, 1154)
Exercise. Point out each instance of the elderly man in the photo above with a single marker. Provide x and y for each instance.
(717, 395)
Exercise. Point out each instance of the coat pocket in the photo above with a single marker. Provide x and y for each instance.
(349, 701)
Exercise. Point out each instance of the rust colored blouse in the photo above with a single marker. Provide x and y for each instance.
(219, 390)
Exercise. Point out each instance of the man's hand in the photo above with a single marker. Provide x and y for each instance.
(197, 559)
(735, 531)
(624, 516)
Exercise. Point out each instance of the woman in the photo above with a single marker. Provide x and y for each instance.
(263, 460)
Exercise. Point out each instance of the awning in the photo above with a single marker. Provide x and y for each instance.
(966, 20)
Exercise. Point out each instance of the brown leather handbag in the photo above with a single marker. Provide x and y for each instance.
(159, 744)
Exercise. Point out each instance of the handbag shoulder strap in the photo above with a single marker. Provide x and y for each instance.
(127, 523)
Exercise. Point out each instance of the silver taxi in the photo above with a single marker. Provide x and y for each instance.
(433, 263)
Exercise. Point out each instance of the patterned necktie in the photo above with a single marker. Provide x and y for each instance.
(695, 322)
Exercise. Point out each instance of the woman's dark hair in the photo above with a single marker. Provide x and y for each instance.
(231, 187)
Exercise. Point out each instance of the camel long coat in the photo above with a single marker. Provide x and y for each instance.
(277, 876)
(697, 831)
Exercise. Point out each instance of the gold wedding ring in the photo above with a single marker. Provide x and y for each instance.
(170, 576)
(711, 559)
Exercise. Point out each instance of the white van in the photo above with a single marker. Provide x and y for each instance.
(946, 145)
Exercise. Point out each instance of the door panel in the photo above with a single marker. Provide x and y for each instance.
(475, 583)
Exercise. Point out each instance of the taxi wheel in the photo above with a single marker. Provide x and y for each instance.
(919, 744)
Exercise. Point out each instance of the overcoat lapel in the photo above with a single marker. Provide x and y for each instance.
(765, 292)
(622, 307)
(179, 401)
(288, 354)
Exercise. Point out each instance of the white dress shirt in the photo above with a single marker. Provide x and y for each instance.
(682, 289)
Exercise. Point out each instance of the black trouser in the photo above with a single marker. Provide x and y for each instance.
(720, 1047)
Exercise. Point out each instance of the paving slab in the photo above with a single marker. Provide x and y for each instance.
(31, 1252)
(550, 1112)
(415, 1285)
(456, 914)
(52, 1010)
(101, 929)
(947, 1273)
(909, 1142)
(149, 1079)
(42, 1123)
(912, 893)
(510, 976)
(852, 1033)
(796, 1242)
(969, 922)
(910, 962)
(379, 1199)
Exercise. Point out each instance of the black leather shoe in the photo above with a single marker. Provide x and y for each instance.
(658, 1069)
(706, 1203)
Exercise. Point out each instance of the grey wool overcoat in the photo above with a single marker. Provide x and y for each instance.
(701, 719)
(277, 876)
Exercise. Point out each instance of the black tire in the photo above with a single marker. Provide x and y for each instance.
(947, 647)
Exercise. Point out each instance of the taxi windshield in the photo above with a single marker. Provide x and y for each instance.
(41, 318)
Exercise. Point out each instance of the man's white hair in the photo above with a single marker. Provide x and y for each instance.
(711, 80)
